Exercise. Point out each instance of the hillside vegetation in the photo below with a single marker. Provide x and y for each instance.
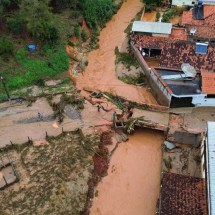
(48, 24)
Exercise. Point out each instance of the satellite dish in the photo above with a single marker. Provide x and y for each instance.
(188, 70)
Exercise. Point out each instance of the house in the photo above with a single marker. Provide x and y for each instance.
(162, 50)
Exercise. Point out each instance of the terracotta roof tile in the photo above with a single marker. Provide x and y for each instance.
(208, 10)
(178, 34)
(187, 19)
(203, 31)
(210, 20)
(209, 17)
(208, 82)
(174, 52)
(183, 195)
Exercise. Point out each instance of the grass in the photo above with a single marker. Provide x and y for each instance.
(25, 69)
(133, 79)
(126, 58)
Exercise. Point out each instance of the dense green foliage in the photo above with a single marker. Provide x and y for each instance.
(126, 59)
(150, 5)
(6, 48)
(48, 24)
(98, 12)
(168, 15)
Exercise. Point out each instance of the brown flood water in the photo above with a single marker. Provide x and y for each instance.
(133, 182)
(100, 72)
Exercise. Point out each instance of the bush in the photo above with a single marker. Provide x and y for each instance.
(150, 7)
(158, 15)
(98, 12)
(84, 35)
(51, 34)
(77, 31)
(16, 25)
(165, 18)
(168, 15)
(6, 48)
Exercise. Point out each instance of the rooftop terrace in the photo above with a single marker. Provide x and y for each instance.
(177, 83)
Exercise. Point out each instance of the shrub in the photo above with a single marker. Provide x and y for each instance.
(84, 35)
(150, 7)
(158, 15)
(98, 12)
(77, 31)
(168, 14)
(51, 34)
(16, 24)
(6, 48)
(165, 18)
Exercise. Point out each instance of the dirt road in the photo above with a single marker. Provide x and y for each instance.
(100, 72)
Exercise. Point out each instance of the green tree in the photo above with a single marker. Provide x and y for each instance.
(84, 35)
(97, 12)
(16, 24)
(58, 6)
(77, 31)
(8, 5)
(37, 15)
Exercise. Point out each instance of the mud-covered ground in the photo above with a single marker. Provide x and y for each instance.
(53, 175)
(184, 160)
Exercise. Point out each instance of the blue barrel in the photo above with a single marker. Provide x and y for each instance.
(31, 48)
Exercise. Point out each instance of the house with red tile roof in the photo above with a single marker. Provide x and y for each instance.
(182, 194)
(192, 44)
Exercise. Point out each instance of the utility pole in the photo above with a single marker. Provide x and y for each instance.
(2, 79)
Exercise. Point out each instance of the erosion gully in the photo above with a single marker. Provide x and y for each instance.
(133, 181)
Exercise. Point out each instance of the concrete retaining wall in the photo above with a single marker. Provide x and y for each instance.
(159, 90)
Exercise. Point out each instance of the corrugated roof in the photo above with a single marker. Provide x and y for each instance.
(208, 82)
(208, 1)
(211, 166)
(183, 2)
(152, 27)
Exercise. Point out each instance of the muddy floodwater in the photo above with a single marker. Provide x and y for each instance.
(133, 182)
(100, 72)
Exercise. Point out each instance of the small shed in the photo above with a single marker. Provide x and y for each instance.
(152, 27)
